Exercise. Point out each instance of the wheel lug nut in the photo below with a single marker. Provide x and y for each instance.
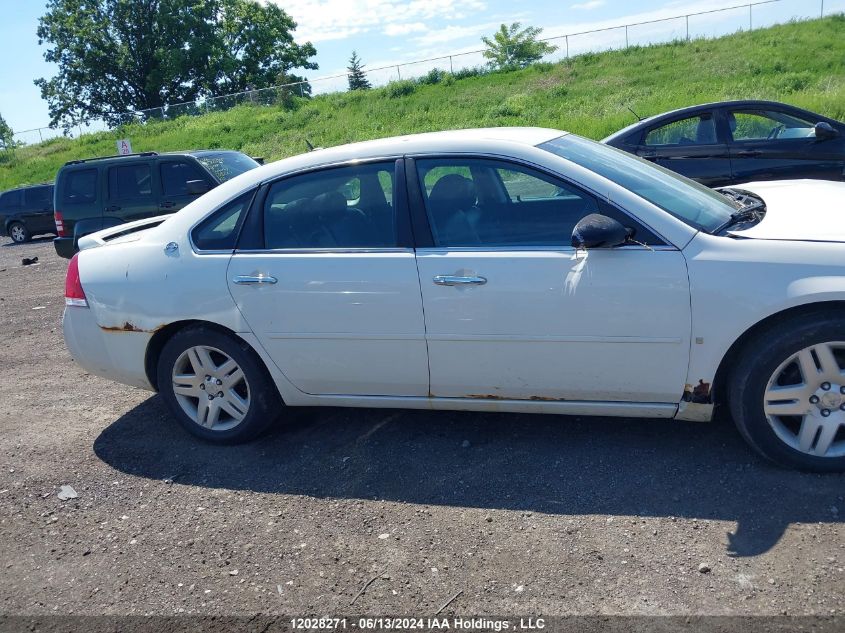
(826, 386)
(825, 413)
(842, 407)
(814, 399)
(219, 394)
(218, 381)
(210, 397)
(202, 386)
(842, 390)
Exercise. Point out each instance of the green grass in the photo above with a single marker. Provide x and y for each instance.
(801, 63)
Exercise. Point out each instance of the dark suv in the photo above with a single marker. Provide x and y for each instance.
(27, 211)
(103, 192)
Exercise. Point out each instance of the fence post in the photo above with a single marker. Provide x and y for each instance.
(451, 70)
(626, 36)
(40, 136)
(566, 38)
(821, 14)
(301, 91)
(750, 24)
(398, 74)
(687, 17)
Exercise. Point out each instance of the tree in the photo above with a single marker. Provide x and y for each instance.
(7, 137)
(511, 47)
(356, 75)
(116, 56)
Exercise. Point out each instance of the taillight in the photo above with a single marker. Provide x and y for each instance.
(74, 294)
(60, 223)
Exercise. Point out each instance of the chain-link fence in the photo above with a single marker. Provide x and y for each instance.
(710, 23)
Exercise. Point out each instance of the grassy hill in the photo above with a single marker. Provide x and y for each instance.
(801, 63)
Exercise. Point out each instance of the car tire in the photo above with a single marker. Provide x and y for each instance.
(216, 386)
(787, 392)
(19, 233)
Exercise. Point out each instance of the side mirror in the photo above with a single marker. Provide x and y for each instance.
(599, 231)
(825, 131)
(197, 187)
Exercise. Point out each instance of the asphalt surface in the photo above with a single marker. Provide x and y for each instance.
(521, 514)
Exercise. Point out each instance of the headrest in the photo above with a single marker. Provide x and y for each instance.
(329, 206)
(453, 190)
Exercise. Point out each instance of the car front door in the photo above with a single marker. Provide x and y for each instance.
(513, 311)
(775, 145)
(326, 278)
(131, 192)
(174, 175)
(691, 147)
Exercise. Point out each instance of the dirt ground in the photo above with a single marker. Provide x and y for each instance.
(522, 514)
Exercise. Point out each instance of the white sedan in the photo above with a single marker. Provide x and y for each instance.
(507, 269)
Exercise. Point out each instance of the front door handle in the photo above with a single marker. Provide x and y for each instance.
(454, 280)
(167, 205)
(248, 280)
(114, 207)
(750, 153)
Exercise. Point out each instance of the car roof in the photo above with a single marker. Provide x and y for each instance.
(737, 103)
(144, 155)
(473, 140)
(37, 184)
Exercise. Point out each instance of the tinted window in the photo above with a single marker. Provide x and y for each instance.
(11, 199)
(39, 197)
(697, 130)
(175, 176)
(759, 125)
(130, 181)
(687, 200)
(343, 207)
(220, 230)
(226, 165)
(80, 186)
(472, 202)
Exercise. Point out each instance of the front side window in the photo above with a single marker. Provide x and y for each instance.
(226, 165)
(220, 230)
(341, 207)
(130, 181)
(484, 202)
(697, 130)
(687, 200)
(761, 125)
(80, 187)
(175, 176)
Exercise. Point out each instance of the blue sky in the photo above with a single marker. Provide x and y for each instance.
(386, 32)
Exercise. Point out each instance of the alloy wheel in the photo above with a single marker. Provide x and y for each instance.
(804, 401)
(211, 388)
(18, 233)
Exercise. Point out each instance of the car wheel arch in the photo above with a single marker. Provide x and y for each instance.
(719, 389)
(164, 334)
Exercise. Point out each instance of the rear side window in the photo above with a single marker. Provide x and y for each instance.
(341, 207)
(80, 186)
(220, 230)
(175, 177)
(11, 199)
(697, 130)
(39, 197)
(130, 181)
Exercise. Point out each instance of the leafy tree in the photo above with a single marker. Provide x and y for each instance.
(7, 137)
(115, 56)
(511, 46)
(356, 75)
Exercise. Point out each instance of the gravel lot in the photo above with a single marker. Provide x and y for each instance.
(523, 514)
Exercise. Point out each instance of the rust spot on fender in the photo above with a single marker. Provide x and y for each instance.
(128, 326)
(699, 394)
(477, 396)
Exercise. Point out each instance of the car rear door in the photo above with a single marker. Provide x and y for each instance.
(691, 146)
(131, 190)
(767, 144)
(174, 175)
(326, 278)
(513, 311)
(38, 209)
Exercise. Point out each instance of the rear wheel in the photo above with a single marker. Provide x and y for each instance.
(787, 393)
(216, 386)
(19, 233)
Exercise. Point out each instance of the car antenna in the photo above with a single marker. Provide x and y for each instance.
(639, 118)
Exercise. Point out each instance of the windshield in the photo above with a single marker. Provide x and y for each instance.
(687, 200)
(226, 165)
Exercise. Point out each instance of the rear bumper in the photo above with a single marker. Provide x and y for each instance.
(118, 355)
(65, 247)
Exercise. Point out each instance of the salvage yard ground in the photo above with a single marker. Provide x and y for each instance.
(523, 514)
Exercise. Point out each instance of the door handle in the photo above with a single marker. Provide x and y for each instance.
(167, 205)
(114, 207)
(454, 280)
(748, 153)
(248, 280)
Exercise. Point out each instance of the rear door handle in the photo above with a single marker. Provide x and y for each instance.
(114, 207)
(749, 153)
(248, 280)
(454, 280)
(167, 205)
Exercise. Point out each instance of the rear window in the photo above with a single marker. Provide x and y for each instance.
(220, 230)
(80, 186)
(226, 165)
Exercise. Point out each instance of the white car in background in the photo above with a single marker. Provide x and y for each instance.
(507, 269)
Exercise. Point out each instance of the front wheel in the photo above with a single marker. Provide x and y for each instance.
(19, 233)
(787, 393)
(216, 386)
